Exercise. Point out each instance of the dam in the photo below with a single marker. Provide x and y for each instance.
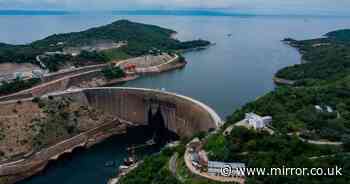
(123, 107)
(182, 115)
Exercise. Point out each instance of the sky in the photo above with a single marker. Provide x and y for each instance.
(336, 7)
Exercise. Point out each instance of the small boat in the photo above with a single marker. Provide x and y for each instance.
(229, 35)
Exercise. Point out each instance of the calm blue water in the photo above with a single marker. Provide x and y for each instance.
(234, 71)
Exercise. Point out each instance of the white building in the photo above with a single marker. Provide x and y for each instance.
(256, 121)
(329, 109)
(324, 108)
(319, 108)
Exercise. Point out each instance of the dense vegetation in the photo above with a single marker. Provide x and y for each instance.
(324, 59)
(323, 80)
(152, 171)
(293, 110)
(191, 44)
(259, 149)
(113, 72)
(140, 39)
(340, 35)
(54, 62)
(122, 30)
(18, 53)
(17, 85)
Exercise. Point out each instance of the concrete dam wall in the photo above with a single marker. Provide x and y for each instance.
(182, 115)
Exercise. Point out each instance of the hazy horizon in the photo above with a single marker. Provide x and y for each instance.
(178, 12)
(259, 7)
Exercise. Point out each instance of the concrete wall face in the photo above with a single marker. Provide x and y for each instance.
(127, 106)
(182, 116)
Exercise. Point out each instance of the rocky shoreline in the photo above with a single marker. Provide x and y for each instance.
(281, 81)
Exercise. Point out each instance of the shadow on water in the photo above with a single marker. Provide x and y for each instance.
(100, 162)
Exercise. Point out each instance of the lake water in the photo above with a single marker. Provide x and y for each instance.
(229, 74)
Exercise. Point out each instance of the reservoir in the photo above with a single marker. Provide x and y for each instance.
(237, 69)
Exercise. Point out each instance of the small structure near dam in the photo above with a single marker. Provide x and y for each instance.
(121, 107)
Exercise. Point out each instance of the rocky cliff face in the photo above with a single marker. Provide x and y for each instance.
(28, 126)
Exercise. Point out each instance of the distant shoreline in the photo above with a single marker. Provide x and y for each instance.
(283, 81)
(125, 12)
(217, 13)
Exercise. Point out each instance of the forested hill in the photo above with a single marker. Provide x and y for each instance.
(122, 30)
(340, 35)
(323, 59)
(3, 45)
(140, 39)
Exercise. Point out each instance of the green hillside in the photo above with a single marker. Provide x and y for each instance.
(140, 38)
(340, 35)
(324, 58)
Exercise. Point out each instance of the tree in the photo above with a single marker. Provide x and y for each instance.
(113, 72)
(346, 142)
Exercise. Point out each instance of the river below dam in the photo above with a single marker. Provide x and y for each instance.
(239, 68)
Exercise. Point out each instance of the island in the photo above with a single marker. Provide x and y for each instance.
(303, 123)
